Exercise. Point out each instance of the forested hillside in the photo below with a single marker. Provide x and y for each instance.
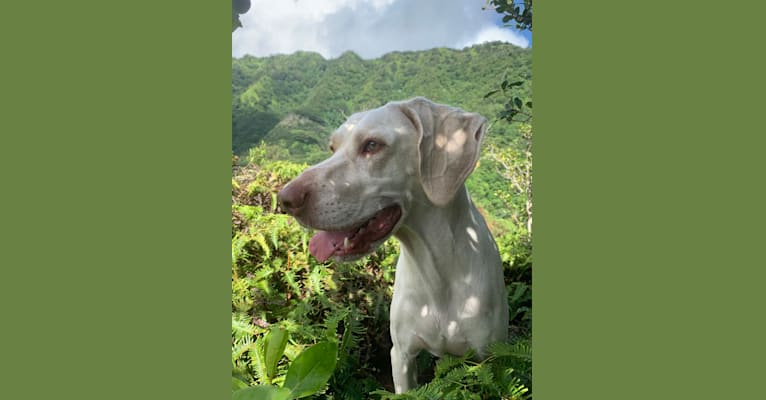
(295, 101)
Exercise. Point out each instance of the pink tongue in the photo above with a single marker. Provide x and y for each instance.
(324, 244)
(321, 244)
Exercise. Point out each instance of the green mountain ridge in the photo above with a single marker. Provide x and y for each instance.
(295, 101)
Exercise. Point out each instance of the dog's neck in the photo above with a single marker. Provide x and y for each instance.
(443, 242)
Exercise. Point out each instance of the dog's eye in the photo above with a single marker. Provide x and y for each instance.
(332, 149)
(371, 146)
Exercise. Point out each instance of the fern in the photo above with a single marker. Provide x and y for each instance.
(261, 240)
(518, 349)
(316, 280)
(289, 278)
(457, 378)
(352, 334)
(484, 376)
(331, 323)
(515, 357)
(239, 348)
(275, 279)
(241, 328)
(258, 362)
(238, 243)
(276, 230)
(447, 363)
(346, 379)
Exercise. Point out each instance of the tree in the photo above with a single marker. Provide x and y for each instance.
(515, 165)
(515, 109)
(514, 11)
(238, 7)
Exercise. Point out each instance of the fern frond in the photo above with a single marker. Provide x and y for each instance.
(258, 362)
(275, 231)
(516, 390)
(427, 391)
(456, 375)
(331, 322)
(354, 330)
(483, 374)
(288, 276)
(241, 327)
(446, 364)
(238, 243)
(261, 240)
(239, 348)
(519, 349)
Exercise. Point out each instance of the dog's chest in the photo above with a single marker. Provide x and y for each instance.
(443, 326)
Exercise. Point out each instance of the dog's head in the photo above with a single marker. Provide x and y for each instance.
(382, 161)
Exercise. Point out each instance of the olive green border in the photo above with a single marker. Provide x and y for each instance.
(116, 165)
(648, 192)
(648, 200)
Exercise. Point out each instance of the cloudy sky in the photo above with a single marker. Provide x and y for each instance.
(370, 28)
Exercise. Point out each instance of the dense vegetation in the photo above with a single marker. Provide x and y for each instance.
(297, 100)
(293, 102)
(306, 329)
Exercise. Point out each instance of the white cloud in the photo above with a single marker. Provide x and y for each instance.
(495, 33)
(370, 28)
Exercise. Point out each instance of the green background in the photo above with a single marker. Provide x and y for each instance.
(115, 163)
(649, 179)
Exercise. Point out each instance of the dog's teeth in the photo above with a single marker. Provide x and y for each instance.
(345, 243)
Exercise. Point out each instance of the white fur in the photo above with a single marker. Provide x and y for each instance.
(449, 293)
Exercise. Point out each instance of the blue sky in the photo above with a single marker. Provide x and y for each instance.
(370, 28)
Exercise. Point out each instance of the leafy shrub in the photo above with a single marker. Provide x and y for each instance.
(308, 373)
(505, 374)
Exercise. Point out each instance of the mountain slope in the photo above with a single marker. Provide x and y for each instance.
(295, 101)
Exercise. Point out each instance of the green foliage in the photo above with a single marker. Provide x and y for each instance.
(283, 300)
(274, 348)
(517, 106)
(516, 89)
(311, 370)
(505, 373)
(320, 330)
(297, 100)
(262, 392)
(514, 10)
(284, 304)
(291, 103)
(308, 373)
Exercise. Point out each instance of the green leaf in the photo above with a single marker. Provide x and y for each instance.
(517, 83)
(237, 384)
(517, 102)
(491, 93)
(273, 201)
(311, 370)
(261, 392)
(275, 347)
(529, 104)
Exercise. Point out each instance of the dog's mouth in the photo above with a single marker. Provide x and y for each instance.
(358, 241)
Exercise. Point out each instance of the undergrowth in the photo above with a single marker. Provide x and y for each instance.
(285, 303)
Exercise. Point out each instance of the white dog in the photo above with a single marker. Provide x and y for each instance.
(400, 170)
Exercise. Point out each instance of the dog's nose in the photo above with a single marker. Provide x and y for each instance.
(292, 197)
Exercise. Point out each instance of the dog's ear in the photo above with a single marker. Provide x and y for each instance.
(448, 146)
